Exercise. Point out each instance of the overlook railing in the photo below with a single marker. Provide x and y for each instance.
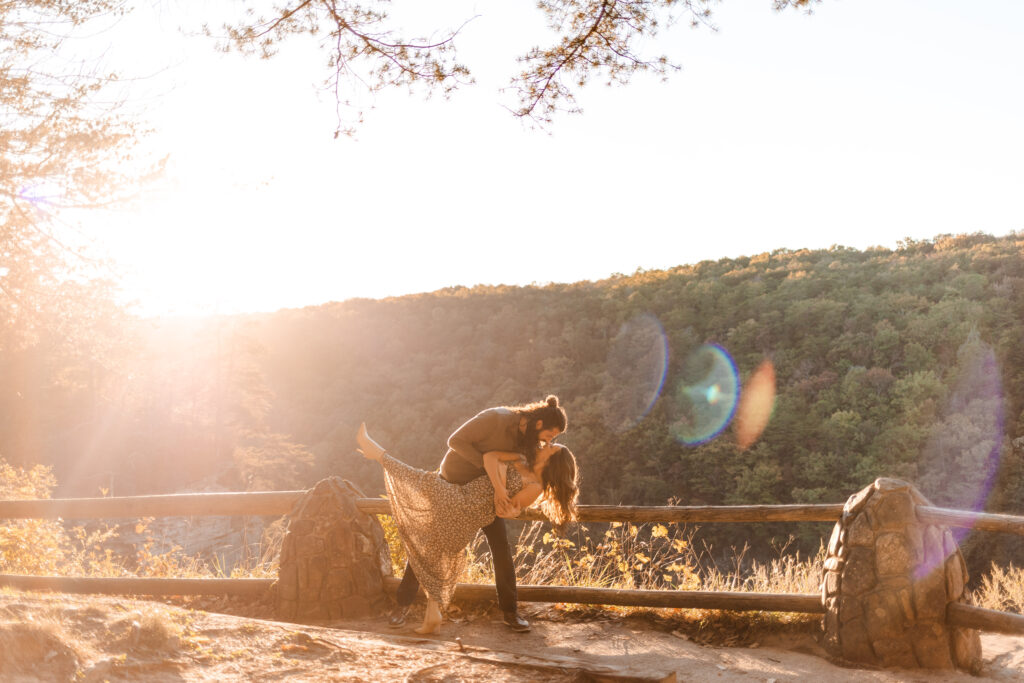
(281, 502)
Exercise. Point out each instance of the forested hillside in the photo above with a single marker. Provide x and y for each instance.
(905, 363)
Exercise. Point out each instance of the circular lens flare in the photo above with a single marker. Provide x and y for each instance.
(756, 405)
(706, 395)
(961, 458)
(636, 365)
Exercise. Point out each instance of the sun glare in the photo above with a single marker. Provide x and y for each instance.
(196, 257)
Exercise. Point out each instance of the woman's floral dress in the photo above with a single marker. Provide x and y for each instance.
(437, 519)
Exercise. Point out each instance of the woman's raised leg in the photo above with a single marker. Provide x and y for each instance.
(367, 446)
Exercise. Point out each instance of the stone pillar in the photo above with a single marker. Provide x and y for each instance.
(886, 583)
(333, 558)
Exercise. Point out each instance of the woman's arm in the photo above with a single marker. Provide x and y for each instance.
(529, 493)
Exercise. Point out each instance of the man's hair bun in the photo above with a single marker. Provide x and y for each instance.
(552, 401)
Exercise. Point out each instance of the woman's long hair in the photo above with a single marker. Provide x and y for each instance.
(560, 479)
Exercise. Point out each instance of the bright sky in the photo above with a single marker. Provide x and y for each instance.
(864, 123)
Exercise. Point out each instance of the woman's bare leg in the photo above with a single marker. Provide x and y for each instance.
(374, 451)
(431, 619)
(367, 446)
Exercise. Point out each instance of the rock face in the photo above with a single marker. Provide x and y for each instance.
(886, 583)
(333, 558)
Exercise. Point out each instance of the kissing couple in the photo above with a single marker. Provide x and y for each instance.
(498, 463)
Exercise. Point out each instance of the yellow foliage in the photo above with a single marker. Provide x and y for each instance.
(395, 547)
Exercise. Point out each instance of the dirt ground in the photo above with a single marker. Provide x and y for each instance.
(55, 637)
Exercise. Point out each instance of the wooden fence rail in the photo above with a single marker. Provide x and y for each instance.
(777, 602)
(137, 585)
(281, 502)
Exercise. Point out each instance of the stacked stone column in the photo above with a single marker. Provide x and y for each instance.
(886, 583)
(333, 558)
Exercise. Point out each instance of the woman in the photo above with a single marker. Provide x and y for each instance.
(437, 519)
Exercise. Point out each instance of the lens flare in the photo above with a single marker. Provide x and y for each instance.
(42, 194)
(960, 460)
(756, 404)
(706, 395)
(636, 366)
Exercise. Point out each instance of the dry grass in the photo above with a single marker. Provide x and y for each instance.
(659, 557)
(1001, 589)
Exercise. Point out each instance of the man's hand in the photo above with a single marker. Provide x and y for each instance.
(503, 505)
(511, 512)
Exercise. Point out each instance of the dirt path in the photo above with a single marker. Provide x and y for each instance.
(638, 648)
(53, 637)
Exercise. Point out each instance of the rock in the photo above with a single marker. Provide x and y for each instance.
(830, 583)
(854, 643)
(954, 577)
(833, 542)
(887, 581)
(930, 595)
(883, 617)
(931, 645)
(895, 653)
(934, 553)
(858, 575)
(967, 649)
(855, 502)
(860, 533)
(333, 558)
(892, 511)
(892, 556)
(888, 485)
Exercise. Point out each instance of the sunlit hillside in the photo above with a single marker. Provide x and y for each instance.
(902, 363)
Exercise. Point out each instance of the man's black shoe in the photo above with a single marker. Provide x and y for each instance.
(516, 622)
(397, 617)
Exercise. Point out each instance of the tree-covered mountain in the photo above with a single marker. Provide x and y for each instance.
(904, 363)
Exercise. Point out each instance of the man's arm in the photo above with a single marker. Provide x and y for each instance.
(463, 441)
(496, 472)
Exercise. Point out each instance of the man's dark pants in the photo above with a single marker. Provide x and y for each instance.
(504, 571)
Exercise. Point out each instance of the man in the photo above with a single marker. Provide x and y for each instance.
(521, 429)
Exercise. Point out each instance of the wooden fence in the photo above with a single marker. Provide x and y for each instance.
(281, 502)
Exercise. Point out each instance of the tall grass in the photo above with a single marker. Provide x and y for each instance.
(650, 557)
(1001, 589)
